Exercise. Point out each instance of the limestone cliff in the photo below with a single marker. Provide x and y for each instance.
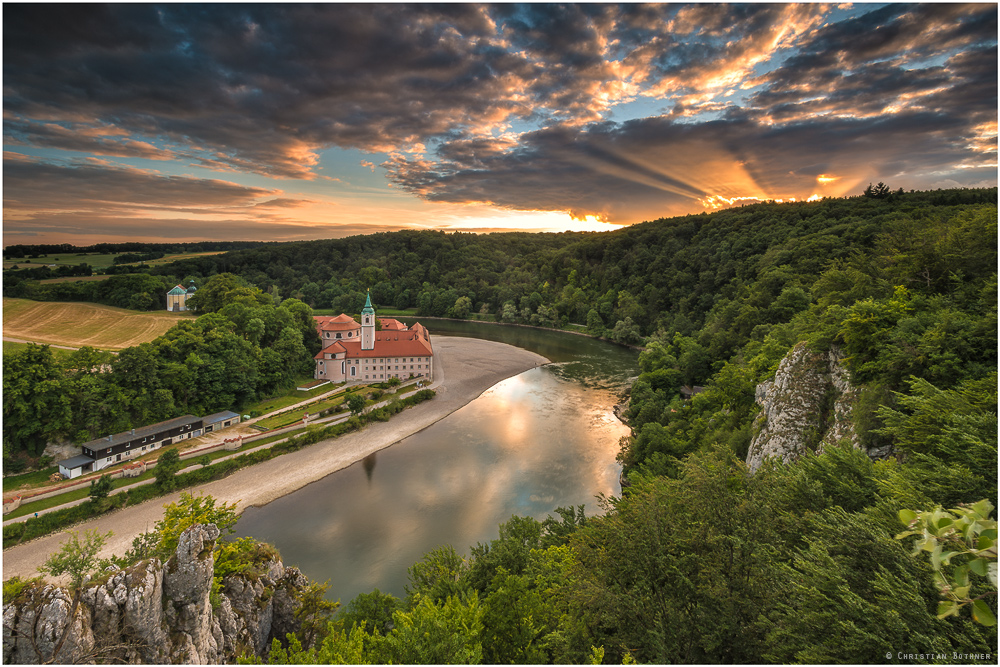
(154, 613)
(807, 406)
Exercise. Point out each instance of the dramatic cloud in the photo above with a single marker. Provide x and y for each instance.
(92, 184)
(627, 112)
(657, 167)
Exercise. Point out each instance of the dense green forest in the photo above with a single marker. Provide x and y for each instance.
(698, 561)
(135, 291)
(666, 274)
(17, 251)
(242, 349)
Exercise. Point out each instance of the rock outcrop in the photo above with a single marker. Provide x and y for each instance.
(154, 613)
(807, 406)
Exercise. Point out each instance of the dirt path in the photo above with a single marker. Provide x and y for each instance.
(466, 367)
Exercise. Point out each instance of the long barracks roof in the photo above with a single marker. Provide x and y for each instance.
(141, 432)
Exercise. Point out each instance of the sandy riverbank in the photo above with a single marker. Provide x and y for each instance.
(466, 367)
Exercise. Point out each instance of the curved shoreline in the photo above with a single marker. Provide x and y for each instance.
(638, 348)
(466, 368)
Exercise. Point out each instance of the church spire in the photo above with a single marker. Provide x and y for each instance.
(368, 324)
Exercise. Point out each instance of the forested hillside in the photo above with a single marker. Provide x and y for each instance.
(243, 349)
(699, 560)
(666, 274)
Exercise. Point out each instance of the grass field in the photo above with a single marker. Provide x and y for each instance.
(60, 259)
(73, 279)
(166, 259)
(279, 421)
(79, 324)
(289, 397)
(95, 260)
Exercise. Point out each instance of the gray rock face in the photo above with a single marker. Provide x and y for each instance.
(153, 613)
(195, 636)
(806, 407)
(39, 630)
(126, 615)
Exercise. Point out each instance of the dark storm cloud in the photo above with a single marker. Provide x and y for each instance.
(90, 227)
(857, 101)
(763, 98)
(260, 86)
(648, 168)
(853, 64)
(31, 185)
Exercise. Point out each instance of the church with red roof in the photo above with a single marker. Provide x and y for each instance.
(356, 352)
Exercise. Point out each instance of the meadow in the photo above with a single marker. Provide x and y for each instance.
(79, 324)
(96, 260)
(73, 279)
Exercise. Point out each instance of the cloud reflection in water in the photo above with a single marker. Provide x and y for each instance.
(532, 443)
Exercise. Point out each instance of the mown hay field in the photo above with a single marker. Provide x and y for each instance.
(73, 279)
(79, 324)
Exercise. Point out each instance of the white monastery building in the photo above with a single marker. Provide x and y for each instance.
(355, 352)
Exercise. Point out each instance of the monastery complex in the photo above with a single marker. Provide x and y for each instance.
(357, 352)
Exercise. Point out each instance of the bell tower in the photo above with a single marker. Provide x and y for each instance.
(368, 325)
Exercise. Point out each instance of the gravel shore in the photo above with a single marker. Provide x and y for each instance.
(466, 367)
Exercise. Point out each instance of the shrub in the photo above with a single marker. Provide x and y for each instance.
(13, 587)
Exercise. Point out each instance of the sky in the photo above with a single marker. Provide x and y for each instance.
(277, 122)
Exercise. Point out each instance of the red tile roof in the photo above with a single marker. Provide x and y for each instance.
(389, 324)
(340, 322)
(387, 344)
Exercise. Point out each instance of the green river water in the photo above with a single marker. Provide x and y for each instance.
(540, 440)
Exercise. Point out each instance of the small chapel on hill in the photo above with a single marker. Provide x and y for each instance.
(355, 352)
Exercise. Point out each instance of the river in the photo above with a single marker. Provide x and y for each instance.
(543, 439)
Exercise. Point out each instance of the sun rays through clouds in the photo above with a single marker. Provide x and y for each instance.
(306, 121)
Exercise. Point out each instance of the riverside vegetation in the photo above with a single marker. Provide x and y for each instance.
(699, 560)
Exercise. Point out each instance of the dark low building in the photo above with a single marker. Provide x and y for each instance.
(220, 420)
(99, 454)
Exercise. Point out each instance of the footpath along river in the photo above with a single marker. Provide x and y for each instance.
(537, 441)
